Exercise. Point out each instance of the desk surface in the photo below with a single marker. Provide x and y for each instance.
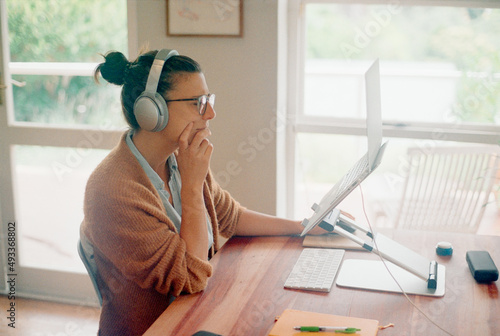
(246, 291)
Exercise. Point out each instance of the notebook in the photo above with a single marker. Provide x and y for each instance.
(364, 166)
(291, 318)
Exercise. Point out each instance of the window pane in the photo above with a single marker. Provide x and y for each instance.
(65, 30)
(67, 100)
(319, 170)
(49, 187)
(47, 33)
(438, 64)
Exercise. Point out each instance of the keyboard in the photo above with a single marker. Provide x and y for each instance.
(315, 269)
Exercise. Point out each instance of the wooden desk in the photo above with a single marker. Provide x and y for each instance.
(246, 292)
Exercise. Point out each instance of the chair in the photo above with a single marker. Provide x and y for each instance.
(87, 256)
(447, 188)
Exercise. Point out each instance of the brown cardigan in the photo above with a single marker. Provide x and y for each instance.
(141, 259)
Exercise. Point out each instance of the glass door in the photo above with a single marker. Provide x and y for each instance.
(56, 125)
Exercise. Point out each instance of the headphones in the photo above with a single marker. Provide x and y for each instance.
(150, 108)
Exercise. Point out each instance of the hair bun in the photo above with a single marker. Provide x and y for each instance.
(114, 68)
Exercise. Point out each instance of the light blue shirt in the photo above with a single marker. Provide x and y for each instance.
(173, 212)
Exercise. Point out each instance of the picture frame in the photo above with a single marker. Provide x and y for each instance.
(205, 18)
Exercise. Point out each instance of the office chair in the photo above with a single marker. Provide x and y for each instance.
(87, 256)
(447, 188)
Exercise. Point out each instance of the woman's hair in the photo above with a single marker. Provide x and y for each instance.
(133, 76)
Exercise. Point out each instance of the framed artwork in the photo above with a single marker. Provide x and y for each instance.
(219, 18)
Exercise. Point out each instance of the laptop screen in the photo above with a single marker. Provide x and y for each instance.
(373, 111)
(364, 166)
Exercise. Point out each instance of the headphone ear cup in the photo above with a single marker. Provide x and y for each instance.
(151, 111)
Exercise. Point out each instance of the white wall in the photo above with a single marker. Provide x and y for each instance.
(243, 74)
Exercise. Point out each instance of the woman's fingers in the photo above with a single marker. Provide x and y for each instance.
(199, 137)
(184, 137)
(194, 155)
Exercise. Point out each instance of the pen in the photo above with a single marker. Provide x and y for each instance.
(344, 330)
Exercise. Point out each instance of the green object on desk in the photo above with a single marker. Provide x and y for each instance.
(348, 331)
(341, 330)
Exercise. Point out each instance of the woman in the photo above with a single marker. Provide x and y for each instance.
(153, 212)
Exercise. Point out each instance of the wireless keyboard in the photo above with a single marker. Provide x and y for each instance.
(315, 269)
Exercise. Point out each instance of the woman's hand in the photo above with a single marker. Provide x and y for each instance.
(252, 223)
(194, 157)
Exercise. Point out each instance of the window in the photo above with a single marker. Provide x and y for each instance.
(52, 65)
(440, 83)
(57, 124)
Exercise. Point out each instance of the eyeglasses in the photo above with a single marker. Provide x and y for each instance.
(201, 102)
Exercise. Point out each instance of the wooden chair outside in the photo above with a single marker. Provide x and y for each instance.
(447, 188)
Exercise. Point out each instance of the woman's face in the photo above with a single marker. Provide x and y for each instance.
(181, 113)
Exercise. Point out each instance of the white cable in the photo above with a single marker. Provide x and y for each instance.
(390, 273)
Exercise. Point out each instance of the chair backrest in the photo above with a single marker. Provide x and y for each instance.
(447, 188)
(87, 256)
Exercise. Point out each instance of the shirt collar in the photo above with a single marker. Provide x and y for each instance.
(172, 163)
(152, 175)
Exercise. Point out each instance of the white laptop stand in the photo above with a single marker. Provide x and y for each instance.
(426, 276)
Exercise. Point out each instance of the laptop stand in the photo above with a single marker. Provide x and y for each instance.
(426, 270)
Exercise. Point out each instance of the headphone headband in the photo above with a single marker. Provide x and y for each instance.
(155, 72)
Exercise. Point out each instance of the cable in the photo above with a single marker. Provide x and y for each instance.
(390, 273)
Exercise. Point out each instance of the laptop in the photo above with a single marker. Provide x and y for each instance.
(421, 276)
(366, 164)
